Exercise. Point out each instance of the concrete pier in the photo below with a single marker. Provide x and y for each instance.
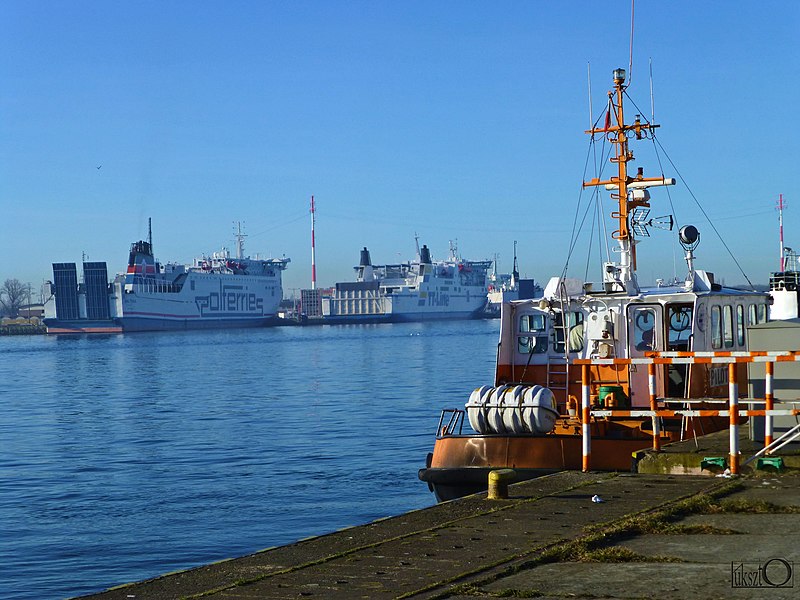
(686, 457)
(564, 535)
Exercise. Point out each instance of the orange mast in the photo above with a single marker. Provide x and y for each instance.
(622, 182)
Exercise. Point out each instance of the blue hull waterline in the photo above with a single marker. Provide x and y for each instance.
(129, 324)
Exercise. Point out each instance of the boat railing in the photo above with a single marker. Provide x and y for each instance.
(731, 359)
(451, 422)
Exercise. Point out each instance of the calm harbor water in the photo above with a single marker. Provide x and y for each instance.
(124, 457)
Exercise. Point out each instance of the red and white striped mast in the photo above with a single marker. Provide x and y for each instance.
(313, 250)
(780, 225)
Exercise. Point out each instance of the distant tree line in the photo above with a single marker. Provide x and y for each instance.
(14, 295)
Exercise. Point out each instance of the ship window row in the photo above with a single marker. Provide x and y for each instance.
(727, 331)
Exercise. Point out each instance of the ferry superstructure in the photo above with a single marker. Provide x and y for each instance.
(418, 290)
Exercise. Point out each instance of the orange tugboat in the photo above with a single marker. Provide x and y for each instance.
(529, 419)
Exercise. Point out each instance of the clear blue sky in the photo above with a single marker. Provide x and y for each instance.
(455, 120)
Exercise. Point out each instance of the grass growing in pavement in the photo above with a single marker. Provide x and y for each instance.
(743, 505)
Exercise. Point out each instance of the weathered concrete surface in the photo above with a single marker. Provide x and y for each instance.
(684, 458)
(474, 547)
(707, 561)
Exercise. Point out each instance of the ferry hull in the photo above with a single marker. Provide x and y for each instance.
(437, 316)
(352, 320)
(410, 317)
(81, 326)
(130, 324)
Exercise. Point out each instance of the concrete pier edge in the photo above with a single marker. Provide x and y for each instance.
(458, 547)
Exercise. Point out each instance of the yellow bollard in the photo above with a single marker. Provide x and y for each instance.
(498, 483)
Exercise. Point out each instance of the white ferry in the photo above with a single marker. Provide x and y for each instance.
(216, 291)
(418, 290)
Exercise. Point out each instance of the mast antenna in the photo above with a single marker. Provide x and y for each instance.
(454, 249)
(652, 98)
(150, 232)
(781, 206)
(514, 271)
(630, 56)
(239, 239)
(313, 248)
(589, 81)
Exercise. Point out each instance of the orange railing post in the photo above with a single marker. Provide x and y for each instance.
(733, 401)
(651, 382)
(768, 402)
(585, 416)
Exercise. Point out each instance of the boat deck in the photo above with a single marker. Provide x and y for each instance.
(474, 547)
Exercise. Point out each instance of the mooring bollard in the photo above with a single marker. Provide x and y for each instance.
(498, 483)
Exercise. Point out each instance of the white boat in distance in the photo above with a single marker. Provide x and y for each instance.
(418, 290)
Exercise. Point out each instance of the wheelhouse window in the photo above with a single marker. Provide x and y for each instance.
(644, 323)
(762, 313)
(727, 326)
(680, 317)
(680, 326)
(533, 323)
(574, 332)
(533, 334)
(740, 324)
(716, 327)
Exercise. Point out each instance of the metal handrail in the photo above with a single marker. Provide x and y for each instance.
(456, 419)
(786, 438)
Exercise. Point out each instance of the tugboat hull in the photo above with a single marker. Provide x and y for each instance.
(460, 465)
